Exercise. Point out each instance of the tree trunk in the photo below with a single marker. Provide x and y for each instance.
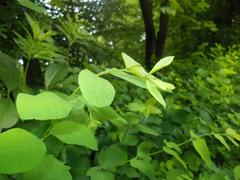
(162, 35)
(146, 8)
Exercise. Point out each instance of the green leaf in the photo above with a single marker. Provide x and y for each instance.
(20, 151)
(155, 93)
(43, 106)
(161, 84)
(111, 157)
(9, 73)
(201, 147)
(222, 140)
(237, 172)
(32, 6)
(129, 172)
(175, 154)
(233, 134)
(96, 90)
(128, 61)
(162, 63)
(96, 173)
(50, 168)
(233, 141)
(138, 70)
(8, 113)
(173, 145)
(108, 113)
(74, 133)
(144, 167)
(55, 73)
(147, 130)
(127, 77)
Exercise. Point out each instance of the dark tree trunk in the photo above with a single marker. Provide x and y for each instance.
(154, 45)
(146, 8)
(34, 75)
(162, 35)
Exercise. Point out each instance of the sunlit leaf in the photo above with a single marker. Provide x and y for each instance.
(155, 93)
(43, 106)
(128, 61)
(96, 90)
(20, 151)
(162, 63)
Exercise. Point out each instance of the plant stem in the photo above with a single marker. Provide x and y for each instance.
(26, 71)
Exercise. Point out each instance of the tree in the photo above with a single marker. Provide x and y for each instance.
(155, 42)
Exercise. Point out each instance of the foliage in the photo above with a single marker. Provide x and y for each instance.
(91, 121)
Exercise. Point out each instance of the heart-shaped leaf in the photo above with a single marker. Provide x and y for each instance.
(96, 90)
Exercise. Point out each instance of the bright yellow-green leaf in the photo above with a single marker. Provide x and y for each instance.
(152, 88)
(127, 77)
(162, 63)
(128, 61)
(222, 140)
(96, 90)
(138, 70)
(43, 106)
(233, 134)
(161, 84)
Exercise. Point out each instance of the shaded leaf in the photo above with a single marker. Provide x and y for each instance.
(55, 73)
(109, 114)
(96, 173)
(28, 4)
(111, 157)
(8, 113)
(74, 133)
(237, 172)
(50, 168)
(201, 147)
(144, 167)
(9, 72)
(147, 130)
(174, 154)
